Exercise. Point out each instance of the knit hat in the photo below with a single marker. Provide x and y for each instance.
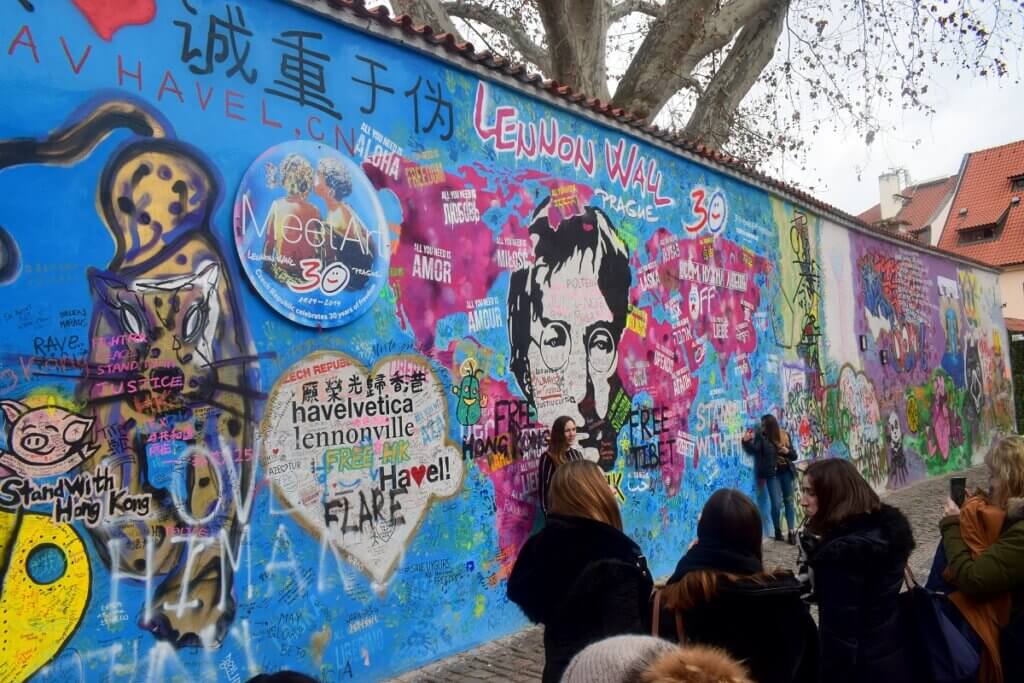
(615, 660)
(695, 664)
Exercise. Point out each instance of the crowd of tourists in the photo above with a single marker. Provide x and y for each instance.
(850, 610)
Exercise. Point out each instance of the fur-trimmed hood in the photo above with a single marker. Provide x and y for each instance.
(696, 664)
(876, 538)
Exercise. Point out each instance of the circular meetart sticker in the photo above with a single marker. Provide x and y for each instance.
(311, 234)
(359, 454)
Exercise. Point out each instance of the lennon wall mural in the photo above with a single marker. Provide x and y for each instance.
(289, 309)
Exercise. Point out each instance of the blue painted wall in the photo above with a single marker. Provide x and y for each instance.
(206, 475)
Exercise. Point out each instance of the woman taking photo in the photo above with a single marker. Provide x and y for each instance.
(560, 451)
(580, 575)
(720, 595)
(857, 571)
(984, 548)
(774, 454)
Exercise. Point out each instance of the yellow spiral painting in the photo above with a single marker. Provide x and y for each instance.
(44, 589)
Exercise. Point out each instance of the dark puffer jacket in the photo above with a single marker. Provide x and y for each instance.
(585, 581)
(766, 455)
(858, 572)
(763, 623)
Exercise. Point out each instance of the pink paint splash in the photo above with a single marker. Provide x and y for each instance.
(707, 290)
(472, 271)
(515, 494)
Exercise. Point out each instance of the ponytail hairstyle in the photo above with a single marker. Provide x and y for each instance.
(579, 489)
(731, 521)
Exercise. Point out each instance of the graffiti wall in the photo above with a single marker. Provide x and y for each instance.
(289, 309)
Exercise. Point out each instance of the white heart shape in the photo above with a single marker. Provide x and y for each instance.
(361, 461)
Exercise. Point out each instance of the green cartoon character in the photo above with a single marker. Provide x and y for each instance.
(468, 411)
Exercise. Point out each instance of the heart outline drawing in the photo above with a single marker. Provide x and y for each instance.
(350, 490)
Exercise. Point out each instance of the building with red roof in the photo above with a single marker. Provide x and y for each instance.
(986, 220)
(915, 210)
(976, 213)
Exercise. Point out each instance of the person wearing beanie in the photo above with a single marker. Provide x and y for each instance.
(721, 596)
(580, 575)
(618, 659)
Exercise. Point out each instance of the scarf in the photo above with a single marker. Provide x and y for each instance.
(710, 555)
(980, 526)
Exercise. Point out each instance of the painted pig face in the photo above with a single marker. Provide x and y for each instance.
(44, 441)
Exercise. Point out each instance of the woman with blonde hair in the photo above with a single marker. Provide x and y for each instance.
(290, 213)
(984, 549)
(580, 575)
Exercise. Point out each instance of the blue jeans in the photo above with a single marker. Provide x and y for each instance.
(780, 491)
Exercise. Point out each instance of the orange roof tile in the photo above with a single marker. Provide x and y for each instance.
(925, 200)
(986, 192)
(872, 215)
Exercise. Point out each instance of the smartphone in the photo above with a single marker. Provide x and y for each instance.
(958, 489)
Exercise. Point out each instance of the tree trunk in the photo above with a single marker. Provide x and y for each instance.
(713, 117)
(577, 32)
(428, 12)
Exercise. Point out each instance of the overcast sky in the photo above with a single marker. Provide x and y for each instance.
(969, 116)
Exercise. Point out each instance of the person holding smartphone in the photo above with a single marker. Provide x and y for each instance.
(983, 543)
(774, 454)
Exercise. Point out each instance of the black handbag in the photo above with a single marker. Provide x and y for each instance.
(1011, 649)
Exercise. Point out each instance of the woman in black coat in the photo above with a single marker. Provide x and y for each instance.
(773, 452)
(856, 570)
(580, 575)
(723, 597)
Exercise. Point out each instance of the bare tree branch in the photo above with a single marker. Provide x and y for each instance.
(642, 87)
(428, 12)
(627, 7)
(712, 118)
(724, 24)
(686, 33)
(510, 27)
(850, 60)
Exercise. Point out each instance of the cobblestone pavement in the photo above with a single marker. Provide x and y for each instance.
(520, 657)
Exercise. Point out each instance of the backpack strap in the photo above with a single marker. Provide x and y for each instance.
(656, 619)
(908, 577)
(680, 632)
(656, 616)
